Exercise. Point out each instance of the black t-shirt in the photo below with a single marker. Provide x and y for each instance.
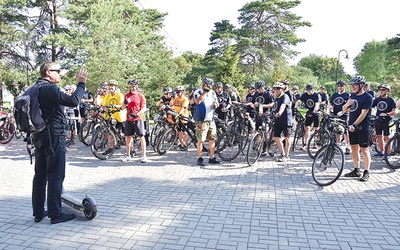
(166, 100)
(223, 99)
(361, 102)
(252, 99)
(309, 101)
(338, 100)
(285, 120)
(384, 105)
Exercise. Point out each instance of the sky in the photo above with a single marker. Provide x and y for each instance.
(336, 24)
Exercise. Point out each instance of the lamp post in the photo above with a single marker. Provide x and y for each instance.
(338, 59)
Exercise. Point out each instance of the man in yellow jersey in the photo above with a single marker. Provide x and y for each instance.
(114, 98)
(181, 105)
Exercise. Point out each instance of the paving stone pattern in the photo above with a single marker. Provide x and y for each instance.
(171, 203)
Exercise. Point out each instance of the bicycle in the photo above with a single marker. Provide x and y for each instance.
(299, 131)
(89, 125)
(233, 141)
(320, 137)
(72, 124)
(108, 135)
(169, 134)
(392, 148)
(263, 140)
(7, 128)
(329, 160)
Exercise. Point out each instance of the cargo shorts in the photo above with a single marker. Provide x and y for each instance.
(205, 130)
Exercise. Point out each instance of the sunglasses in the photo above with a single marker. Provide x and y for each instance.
(340, 85)
(178, 92)
(382, 89)
(56, 70)
(276, 88)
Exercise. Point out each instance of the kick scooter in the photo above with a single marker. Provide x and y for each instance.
(88, 205)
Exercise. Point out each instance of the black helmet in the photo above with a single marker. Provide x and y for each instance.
(251, 86)
(207, 80)
(179, 88)
(218, 84)
(357, 80)
(341, 82)
(309, 86)
(259, 84)
(167, 90)
(133, 82)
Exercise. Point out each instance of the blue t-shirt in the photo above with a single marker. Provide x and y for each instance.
(361, 102)
(338, 101)
(285, 120)
(384, 105)
(309, 101)
(204, 112)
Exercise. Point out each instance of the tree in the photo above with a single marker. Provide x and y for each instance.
(226, 70)
(324, 68)
(371, 62)
(267, 32)
(393, 58)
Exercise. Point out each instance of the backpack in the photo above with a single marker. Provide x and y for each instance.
(27, 112)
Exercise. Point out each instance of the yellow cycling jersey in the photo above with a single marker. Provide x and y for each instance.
(180, 103)
(116, 99)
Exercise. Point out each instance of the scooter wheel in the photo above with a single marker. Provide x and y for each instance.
(90, 209)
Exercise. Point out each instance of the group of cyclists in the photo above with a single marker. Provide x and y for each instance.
(354, 107)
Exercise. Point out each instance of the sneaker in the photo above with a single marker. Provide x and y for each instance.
(40, 218)
(347, 151)
(132, 153)
(213, 160)
(264, 153)
(183, 148)
(365, 176)
(108, 151)
(62, 218)
(200, 161)
(278, 158)
(379, 154)
(126, 158)
(144, 159)
(286, 158)
(354, 173)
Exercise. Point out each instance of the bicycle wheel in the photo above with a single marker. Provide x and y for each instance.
(229, 145)
(86, 132)
(392, 152)
(317, 140)
(255, 148)
(328, 165)
(100, 144)
(298, 135)
(167, 140)
(154, 133)
(7, 133)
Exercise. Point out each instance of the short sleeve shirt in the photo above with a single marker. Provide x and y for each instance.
(337, 101)
(285, 120)
(137, 103)
(384, 105)
(310, 100)
(116, 99)
(361, 102)
(179, 104)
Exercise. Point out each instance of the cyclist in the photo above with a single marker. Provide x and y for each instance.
(369, 90)
(192, 104)
(336, 103)
(250, 99)
(286, 89)
(359, 105)
(283, 120)
(324, 98)
(86, 99)
(312, 102)
(224, 101)
(206, 102)
(114, 98)
(386, 109)
(166, 99)
(135, 103)
(101, 93)
(181, 105)
(268, 100)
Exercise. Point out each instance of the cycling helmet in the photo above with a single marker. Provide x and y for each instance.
(207, 80)
(323, 87)
(133, 82)
(286, 82)
(227, 86)
(103, 85)
(251, 86)
(295, 87)
(278, 85)
(341, 82)
(180, 88)
(268, 89)
(218, 84)
(167, 90)
(357, 80)
(310, 87)
(113, 82)
(384, 85)
(259, 84)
